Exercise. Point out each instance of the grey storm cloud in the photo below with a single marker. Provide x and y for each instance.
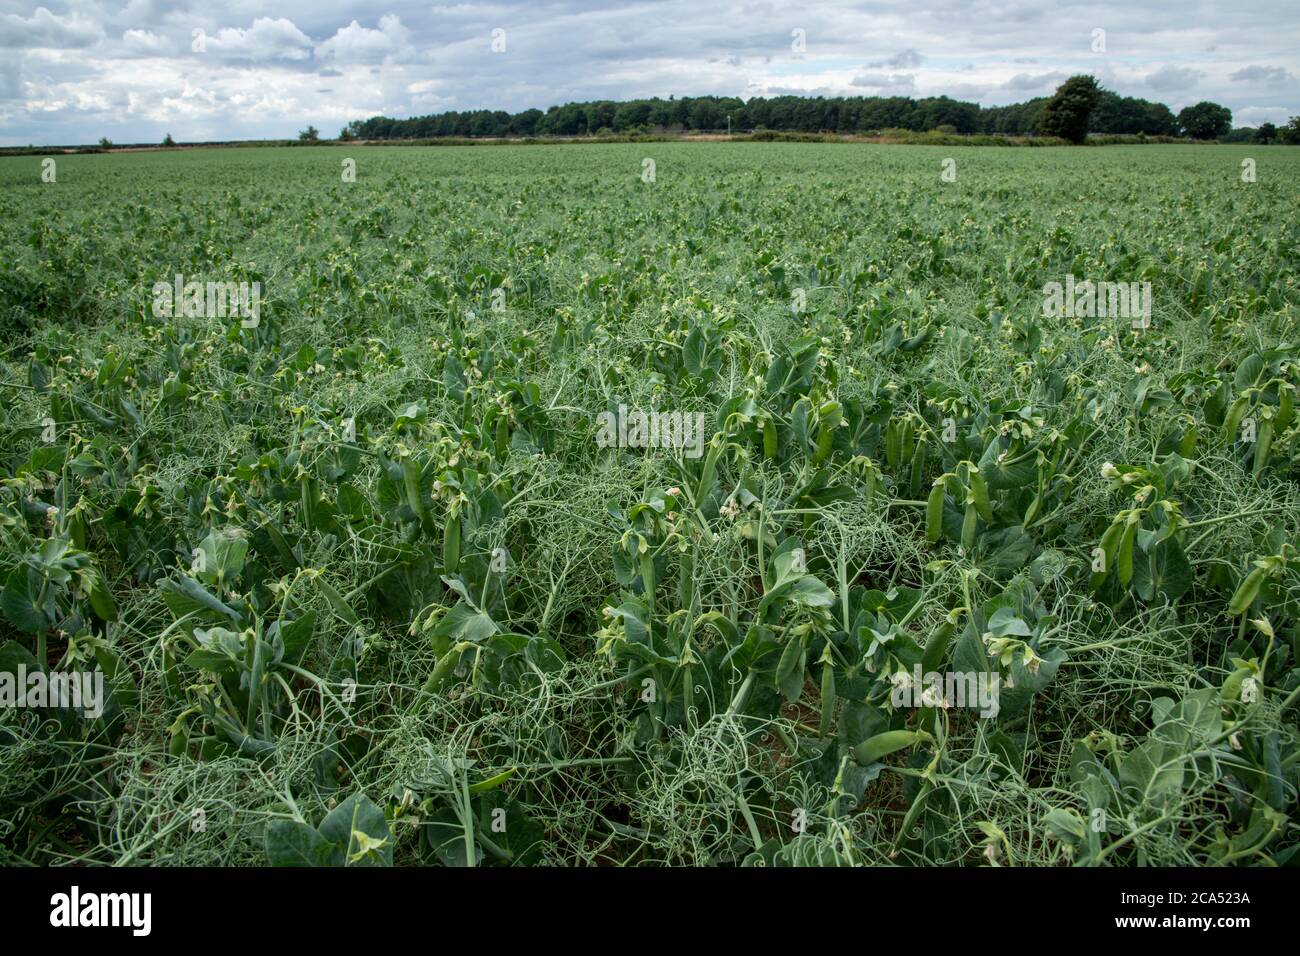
(1169, 79)
(893, 82)
(902, 60)
(1272, 75)
(76, 70)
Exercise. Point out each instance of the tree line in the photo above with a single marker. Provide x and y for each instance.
(1102, 111)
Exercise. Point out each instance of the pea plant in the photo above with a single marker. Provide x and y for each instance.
(763, 513)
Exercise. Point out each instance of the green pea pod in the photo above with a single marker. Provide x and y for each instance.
(828, 699)
(180, 739)
(709, 474)
(442, 670)
(908, 432)
(1032, 511)
(307, 499)
(1246, 592)
(1285, 408)
(934, 513)
(411, 480)
(1110, 540)
(968, 527)
(1231, 690)
(880, 746)
(451, 544)
(338, 602)
(256, 672)
(769, 439)
(1263, 442)
(893, 444)
(492, 782)
(873, 484)
(981, 492)
(502, 436)
(1125, 561)
(936, 647)
(918, 469)
(788, 678)
(101, 598)
(648, 575)
(1233, 419)
(1187, 447)
(829, 415)
(825, 438)
(171, 671)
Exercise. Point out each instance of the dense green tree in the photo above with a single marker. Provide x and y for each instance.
(705, 114)
(1067, 112)
(846, 114)
(1128, 114)
(632, 115)
(1018, 119)
(1205, 120)
(525, 124)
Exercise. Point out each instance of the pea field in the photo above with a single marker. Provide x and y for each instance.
(650, 504)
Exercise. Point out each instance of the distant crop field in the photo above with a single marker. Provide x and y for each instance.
(650, 504)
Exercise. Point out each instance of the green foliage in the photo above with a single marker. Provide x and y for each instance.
(1129, 114)
(1067, 114)
(366, 590)
(769, 118)
(1205, 120)
(354, 833)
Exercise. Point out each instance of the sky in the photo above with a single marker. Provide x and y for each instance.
(72, 72)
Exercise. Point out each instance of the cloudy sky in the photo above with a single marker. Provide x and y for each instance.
(71, 72)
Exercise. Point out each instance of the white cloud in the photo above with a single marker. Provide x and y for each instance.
(44, 29)
(10, 79)
(143, 41)
(267, 39)
(963, 91)
(1255, 115)
(357, 44)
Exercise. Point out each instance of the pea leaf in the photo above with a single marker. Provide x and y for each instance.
(359, 828)
(19, 600)
(291, 843)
